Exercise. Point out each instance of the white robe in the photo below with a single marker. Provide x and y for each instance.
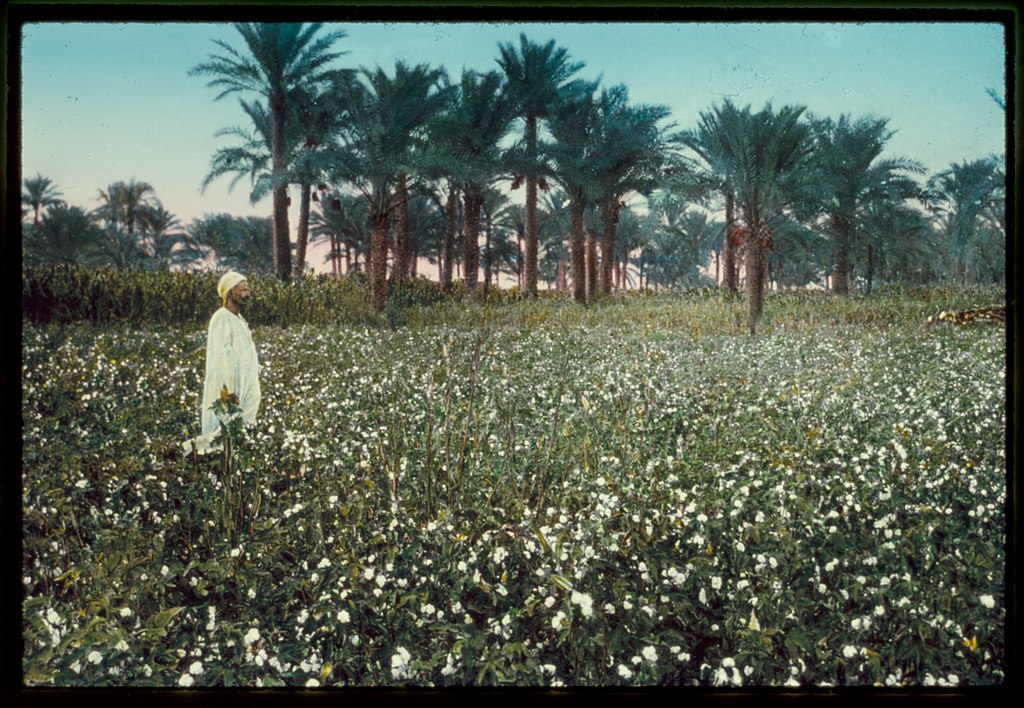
(230, 361)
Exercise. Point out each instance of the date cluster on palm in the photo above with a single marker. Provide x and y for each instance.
(993, 313)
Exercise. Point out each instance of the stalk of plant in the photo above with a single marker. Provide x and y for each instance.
(237, 509)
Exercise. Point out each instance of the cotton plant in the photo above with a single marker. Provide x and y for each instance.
(680, 501)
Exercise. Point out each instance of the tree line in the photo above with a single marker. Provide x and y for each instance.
(392, 167)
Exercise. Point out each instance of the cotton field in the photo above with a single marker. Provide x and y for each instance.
(516, 504)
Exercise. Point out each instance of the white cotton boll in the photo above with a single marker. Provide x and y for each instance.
(196, 668)
(650, 653)
(716, 582)
(186, 680)
(988, 601)
(585, 602)
(625, 672)
(94, 657)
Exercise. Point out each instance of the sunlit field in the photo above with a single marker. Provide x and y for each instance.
(636, 493)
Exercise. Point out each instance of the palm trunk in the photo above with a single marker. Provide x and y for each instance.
(487, 256)
(519, 260)
(591, 265)
(532, 229)
(473, 200)
(755, 278)
(840, 279)
(579, 291)
(379, 262)
(282, 238)
(303, 234)
(871, 268)
(448, 248)
(402, 258)
(610, 214)
(729, 255)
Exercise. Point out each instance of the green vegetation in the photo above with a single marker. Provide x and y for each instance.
(502, 492)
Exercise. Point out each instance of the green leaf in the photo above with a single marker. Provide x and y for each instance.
(164, 617)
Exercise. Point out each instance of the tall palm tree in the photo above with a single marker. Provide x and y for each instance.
(477, 119)
(631, 156)
(574, 124)
(959, 199)
(317, 124)
(385, 147)
(848, 175)
(282, 57)
(762, 157)
(713, 174)
(39, 193)
(555, 224)
(536, 75)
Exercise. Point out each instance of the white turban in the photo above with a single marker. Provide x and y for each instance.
(227, 282)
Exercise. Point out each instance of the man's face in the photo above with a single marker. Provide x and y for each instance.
(239, 294)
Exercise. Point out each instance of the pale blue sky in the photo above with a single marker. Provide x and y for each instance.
(109, 102)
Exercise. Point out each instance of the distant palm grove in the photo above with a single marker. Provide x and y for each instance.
(394, 168)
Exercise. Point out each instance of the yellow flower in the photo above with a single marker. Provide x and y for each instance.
(754, 625)
(224, 395)
(971, 643)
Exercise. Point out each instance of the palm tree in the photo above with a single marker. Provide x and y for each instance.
(536, 76)
(385, 147)
(499, 219)
(122, 202)
(477, 119)
(65, 234)
(164, 239)
(632, 234)
(282, 58)
(848, 175)
(316, 126)
(240, 243)
(683, 241)
(574, 123)
(39, 193)
(761, 156)
(963, 201)
(630, 156)
(898, 240)
(713, 175)
(342, 218)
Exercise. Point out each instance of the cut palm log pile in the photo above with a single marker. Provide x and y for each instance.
(993, 313)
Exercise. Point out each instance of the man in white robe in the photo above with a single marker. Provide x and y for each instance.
(231, 360)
